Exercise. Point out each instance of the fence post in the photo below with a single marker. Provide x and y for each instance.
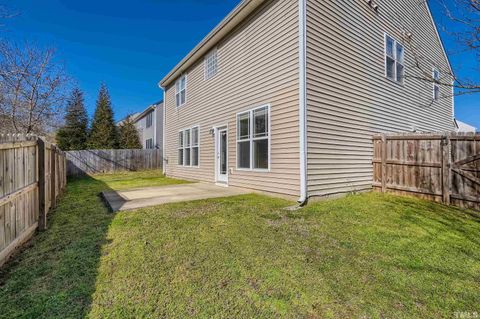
(384, 163)
(53, 196)
(42, 214)
(446, 169)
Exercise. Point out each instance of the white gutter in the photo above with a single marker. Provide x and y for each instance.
(303, 99)
(229, 23)
(163, 129)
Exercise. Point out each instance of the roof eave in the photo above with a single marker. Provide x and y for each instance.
(233, 19)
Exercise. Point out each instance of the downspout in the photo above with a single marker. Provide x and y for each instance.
(453, 99)
(163, 130)
(302, 4)
(155, 145)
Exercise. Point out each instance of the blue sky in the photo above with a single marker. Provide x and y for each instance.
(131, 45)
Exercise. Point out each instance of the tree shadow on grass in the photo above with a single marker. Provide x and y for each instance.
(54, 275)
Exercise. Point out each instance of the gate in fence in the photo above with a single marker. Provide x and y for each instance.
(440, 167)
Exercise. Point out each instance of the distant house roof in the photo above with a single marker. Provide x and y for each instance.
(464, 127)
(131, 117)
(147, 110)
(139, 115)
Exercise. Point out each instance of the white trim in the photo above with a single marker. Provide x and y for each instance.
(155, 128)
(251, 139)
(435, 85)
(302, 43)
(395, 58)
(198, 145)
(231, 21)
(212, 52)
(190, 146)
(453, 99)
(185, 89)
(164, 105)
(217, 150)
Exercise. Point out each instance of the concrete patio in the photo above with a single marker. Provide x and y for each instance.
(152, 196)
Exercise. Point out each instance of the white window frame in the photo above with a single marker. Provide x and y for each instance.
(149, 120)
(394, 58)
(212, 56)
(251, 139)
(190, 146)
(181, 147)
(178, 91)
(146, 144)
(436, 85)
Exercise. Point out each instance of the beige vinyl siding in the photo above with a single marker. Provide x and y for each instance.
(348, 96)
(257, 65)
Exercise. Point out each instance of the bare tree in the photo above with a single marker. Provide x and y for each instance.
(33, 89)
(462, 23)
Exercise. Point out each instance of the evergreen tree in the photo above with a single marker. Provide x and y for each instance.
(73, 136)
(104, 134)
(129, 138)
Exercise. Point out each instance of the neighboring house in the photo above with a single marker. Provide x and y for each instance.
(130, 117)
(284, 96)
(149, 124)
(462, 127)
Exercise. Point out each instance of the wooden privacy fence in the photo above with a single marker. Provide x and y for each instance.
(33, 176)
(89, 162)
(440, 167)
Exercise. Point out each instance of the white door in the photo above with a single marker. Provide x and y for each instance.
(222, 155)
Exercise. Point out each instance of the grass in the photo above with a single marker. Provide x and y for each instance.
(363, 256)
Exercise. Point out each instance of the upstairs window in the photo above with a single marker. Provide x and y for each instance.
(394, 60)
(149, 119)
(211, 65)
(253, 139)
(436, 84)
(181, 90)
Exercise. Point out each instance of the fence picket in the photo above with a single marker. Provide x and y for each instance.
(23, 179)
(444, 168)
(88, 162)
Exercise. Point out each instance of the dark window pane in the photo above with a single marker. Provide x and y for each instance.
(180, 139)
(400, 72)
(243, 126)
(436, 92)
(195, 156)
(182, 97)
(260, 122)
(180, 157)
(260, 154)
(400, 53)
(243, 154)
(223, 153)
(195, 136)
(187, 157)
(187, 138)
(390, 68)
(390, 44)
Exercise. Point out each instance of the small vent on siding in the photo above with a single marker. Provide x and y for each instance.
(373, 5)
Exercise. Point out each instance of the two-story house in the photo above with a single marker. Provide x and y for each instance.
(283, 96)
(149, 124)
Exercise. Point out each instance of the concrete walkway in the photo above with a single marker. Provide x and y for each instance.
(152, 196)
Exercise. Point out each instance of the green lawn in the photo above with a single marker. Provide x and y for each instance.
(364, 256)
